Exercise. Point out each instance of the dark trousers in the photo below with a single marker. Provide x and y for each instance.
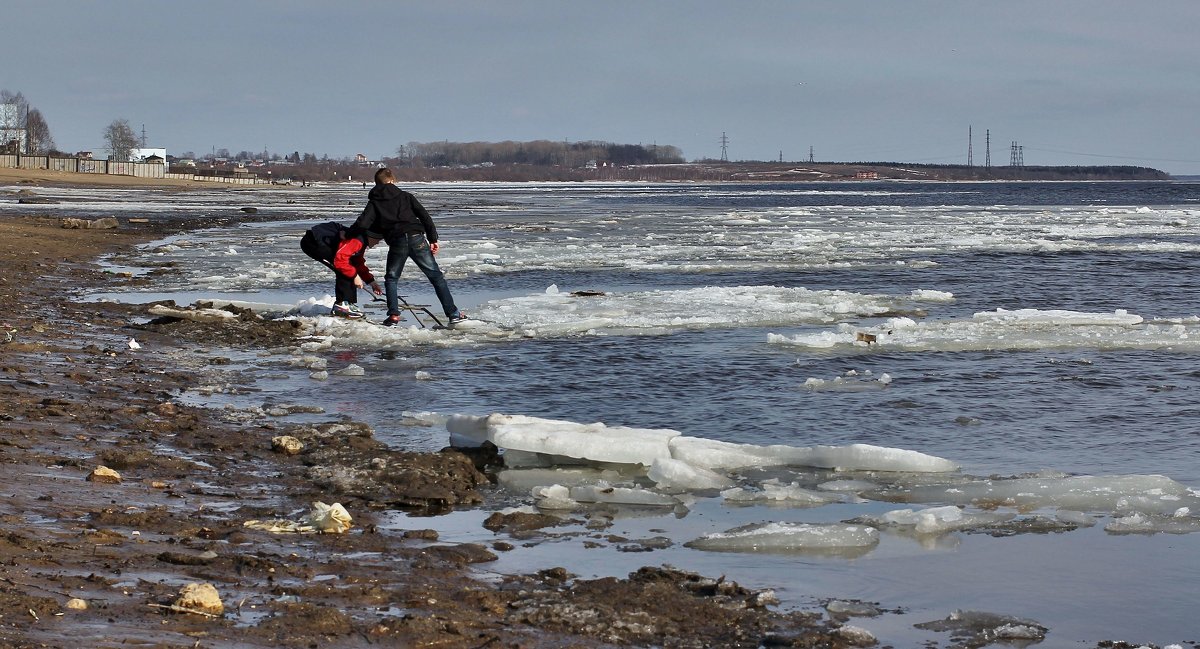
(402, 246)
(344, 289)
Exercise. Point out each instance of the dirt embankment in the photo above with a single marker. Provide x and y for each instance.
(101, 564)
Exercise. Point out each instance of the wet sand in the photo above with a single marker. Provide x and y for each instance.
(100, 564)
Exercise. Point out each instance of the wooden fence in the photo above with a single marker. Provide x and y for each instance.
(113, 167)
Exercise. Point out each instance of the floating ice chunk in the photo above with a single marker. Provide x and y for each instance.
(936, 520)
(1150, 494)
(987, 627)
(603, 493)
(321, 375)
(714, 454)
(555, 312)
(1151, 524)
(669, 474)
(771, 491)
(422, 375)
(846, 608)
(1006, 330)
(1076, 518)
(1119, 317)
(351, 370)
(847, 383)
(929, 295)
(784, 537)
(553, 497)
(854, 486)
(524, 480)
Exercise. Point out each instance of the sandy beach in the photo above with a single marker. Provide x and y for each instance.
(92, 561)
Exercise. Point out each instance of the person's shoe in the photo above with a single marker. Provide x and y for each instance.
(392, 321)
(346, 310)
(458, 317)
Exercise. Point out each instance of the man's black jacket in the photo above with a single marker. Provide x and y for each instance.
(391, 211)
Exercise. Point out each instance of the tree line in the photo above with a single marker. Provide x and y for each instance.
(542, 153)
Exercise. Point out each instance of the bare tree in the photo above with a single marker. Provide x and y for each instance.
(13, 109)
(121, 140)
(37, 133)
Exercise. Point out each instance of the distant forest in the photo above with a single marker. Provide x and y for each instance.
(541, 153)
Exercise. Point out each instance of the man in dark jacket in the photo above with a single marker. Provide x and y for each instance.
(409, 232)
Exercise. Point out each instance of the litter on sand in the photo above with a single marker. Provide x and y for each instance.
(329, 519)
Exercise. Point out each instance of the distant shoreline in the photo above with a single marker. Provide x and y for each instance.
(739, 172)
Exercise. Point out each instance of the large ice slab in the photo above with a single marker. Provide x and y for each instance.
(593, 442)
(715, 454)
(790, 537)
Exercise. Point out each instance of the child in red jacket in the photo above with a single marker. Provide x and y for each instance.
(352, 273)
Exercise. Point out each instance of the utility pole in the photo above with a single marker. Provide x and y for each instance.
(724, 144)
(970, 144)
(1016, 155)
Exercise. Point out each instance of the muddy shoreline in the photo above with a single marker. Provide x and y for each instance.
(106, 561)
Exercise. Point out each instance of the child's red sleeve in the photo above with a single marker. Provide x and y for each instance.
(342, 260)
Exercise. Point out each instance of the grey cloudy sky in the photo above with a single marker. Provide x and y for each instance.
(1071, 81)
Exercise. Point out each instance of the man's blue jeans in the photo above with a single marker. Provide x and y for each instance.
(402, 246)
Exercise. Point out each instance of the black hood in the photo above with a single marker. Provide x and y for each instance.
(384, 192)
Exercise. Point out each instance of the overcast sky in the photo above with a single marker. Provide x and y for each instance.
(1071, 81)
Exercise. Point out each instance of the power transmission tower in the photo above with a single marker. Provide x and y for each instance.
(724, 144)
(970, 144)
(781, 155)
(810, 154)
(143, 136)
(987, 164)
(1012, 155)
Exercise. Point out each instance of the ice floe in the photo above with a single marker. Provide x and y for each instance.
(1022, 329)
(790, 537)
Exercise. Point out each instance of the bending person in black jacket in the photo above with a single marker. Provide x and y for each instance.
(409, 232)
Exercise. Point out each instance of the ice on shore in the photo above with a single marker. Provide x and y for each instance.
(593, 442)
(596, 463)
(196, 315)
(555, 312)
(598, 442)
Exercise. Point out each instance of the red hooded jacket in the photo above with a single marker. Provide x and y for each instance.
(349, 261)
